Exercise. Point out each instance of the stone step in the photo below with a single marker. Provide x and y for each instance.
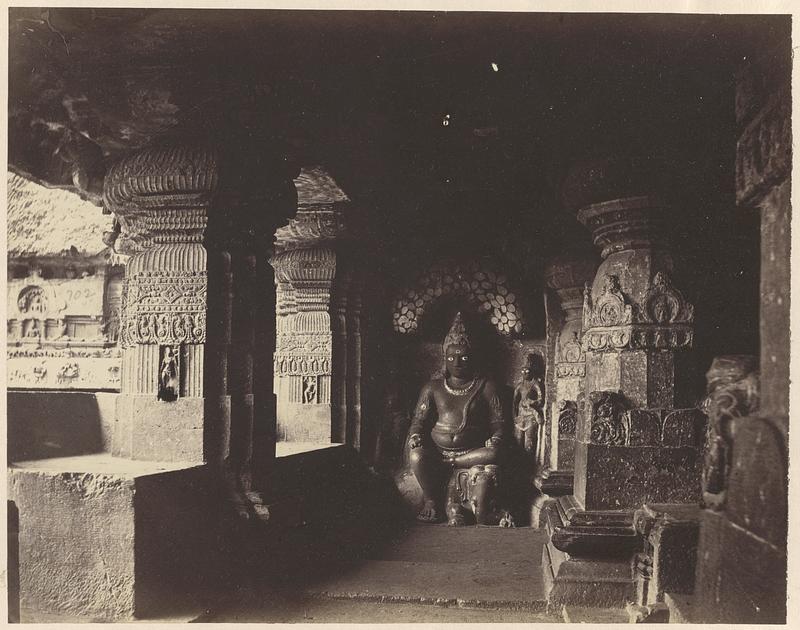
(278, 608)
(470, 567)
(581, 614)
(680, 607)
(496, 585)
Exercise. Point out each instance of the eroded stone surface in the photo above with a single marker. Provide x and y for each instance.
(107, 539)
(76, 543)
(775, 299)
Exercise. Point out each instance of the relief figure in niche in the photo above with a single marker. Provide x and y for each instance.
(169, 375)
(309, 390)
(34, 330)
(528, 404)
(457, 425)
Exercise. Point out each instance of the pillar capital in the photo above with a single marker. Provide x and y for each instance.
(624, 224)
(161, 196)
(567, 275)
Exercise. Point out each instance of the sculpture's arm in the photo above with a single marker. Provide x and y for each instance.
(517, 400)
(422, 414)
(537, 386)
(496, 420)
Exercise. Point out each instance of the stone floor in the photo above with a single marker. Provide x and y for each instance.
(432, 573)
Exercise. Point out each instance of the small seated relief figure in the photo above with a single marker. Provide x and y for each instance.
(528, 405)
(456, 439)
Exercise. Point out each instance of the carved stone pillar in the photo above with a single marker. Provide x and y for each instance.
(173, 405)
(635, 323)
(304, 346)
(241, 360)
(567, 276)
(312, 313)
(632, 445)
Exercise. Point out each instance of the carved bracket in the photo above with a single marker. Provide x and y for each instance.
(733, 392)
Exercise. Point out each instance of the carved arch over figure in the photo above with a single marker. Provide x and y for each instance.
(32, 299)
(478, 282)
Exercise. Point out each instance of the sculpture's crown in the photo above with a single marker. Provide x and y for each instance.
(458, 334)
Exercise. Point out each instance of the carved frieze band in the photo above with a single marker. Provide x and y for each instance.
(565, 370)
(614, 424)
(611, 322)
(302, 365)
(164, 307)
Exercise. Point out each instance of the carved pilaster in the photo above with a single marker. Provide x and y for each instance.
(667, 561)
(161, 200)
(566, 277)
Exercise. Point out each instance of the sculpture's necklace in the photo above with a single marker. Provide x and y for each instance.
(459, 392)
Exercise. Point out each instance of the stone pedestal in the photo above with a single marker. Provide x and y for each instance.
(633, 445)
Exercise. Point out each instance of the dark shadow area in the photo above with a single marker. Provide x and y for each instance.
(47, 424)
(13, 562)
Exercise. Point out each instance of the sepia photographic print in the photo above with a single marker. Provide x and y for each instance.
(397, 316)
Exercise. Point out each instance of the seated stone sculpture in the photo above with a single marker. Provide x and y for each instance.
(456, 438)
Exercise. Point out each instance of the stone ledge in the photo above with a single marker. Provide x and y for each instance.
(108, 539)
(289, 449)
